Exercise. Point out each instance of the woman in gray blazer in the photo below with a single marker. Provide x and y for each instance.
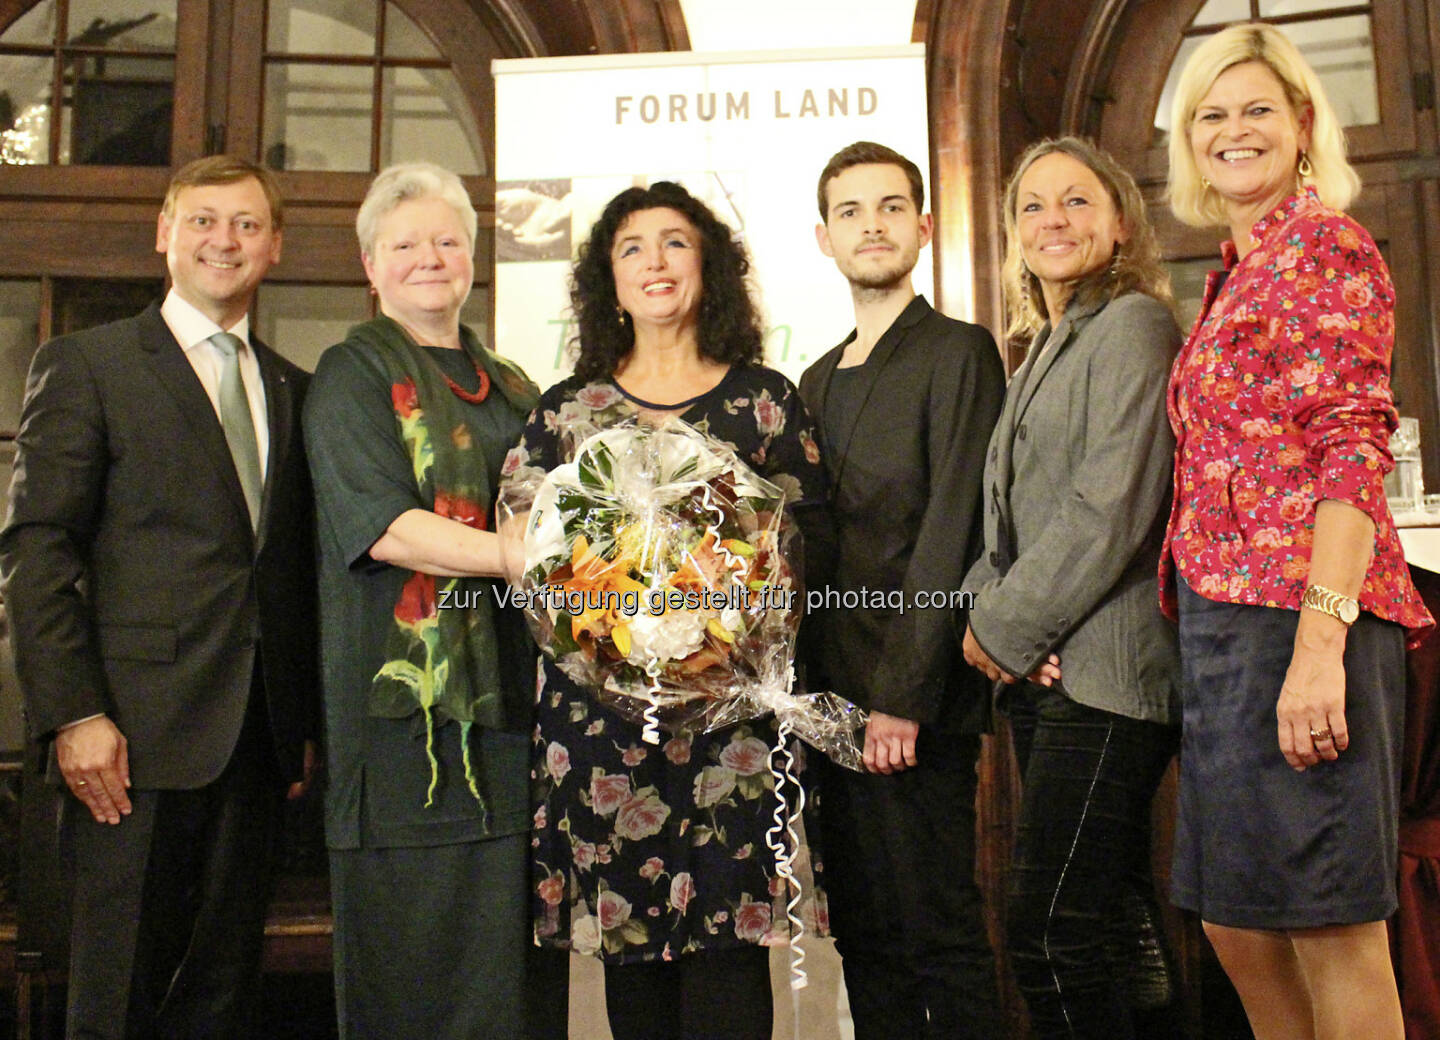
(1076, 482)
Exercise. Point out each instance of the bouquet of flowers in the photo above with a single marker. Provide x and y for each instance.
(656, 573)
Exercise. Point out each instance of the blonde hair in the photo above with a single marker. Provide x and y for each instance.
(1333, 178)
(404, 182)
(1135, 267)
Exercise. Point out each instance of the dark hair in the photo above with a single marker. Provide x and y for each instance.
(729, 323)
(859, 154)
(225, 169)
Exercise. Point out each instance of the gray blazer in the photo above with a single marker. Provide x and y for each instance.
(1077, 488)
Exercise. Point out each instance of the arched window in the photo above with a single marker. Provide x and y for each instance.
(1336, 37)
(1377, 60)
(357, 85)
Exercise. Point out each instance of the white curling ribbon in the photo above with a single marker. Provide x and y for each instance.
(785, 851)
(651, 733)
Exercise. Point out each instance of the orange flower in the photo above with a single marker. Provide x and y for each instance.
(602, 584)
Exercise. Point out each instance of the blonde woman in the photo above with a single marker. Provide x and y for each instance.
(1281, 557)
(1075, 484)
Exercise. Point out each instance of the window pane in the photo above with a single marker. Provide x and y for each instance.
(25, 109)
(1219, 12)
(19, 336)
(1342, 53)
(83, 303)
(1167, 94)
(405, 39)
(127, 25)
(119, 111)
(1274, 8)
(321, 27)
(301, 321)
(427, 118)
(36, 25)
(317, 117)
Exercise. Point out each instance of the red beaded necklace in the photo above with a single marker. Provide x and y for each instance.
(481, 392)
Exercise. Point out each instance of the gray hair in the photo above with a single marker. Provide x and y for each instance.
(405, 182)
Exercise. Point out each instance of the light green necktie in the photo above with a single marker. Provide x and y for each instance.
(237, 422)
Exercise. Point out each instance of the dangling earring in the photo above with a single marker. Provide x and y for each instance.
(620, 314)
(1304, 166)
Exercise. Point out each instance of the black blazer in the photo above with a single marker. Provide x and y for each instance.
(905, 479)
(134, 583)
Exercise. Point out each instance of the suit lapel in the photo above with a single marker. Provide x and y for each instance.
(1037, 367)
(1051, 344)
(1075, 317)
(175, 374)
(277, 411)
(1004, 435)
(870, 371)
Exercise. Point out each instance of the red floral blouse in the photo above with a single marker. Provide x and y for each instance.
(1280, 399)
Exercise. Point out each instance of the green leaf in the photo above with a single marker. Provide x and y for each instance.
(403, 672)
(564, 638)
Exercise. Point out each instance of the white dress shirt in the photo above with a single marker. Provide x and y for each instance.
(192, 330)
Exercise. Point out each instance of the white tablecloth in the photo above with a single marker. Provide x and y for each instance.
(1422, 547)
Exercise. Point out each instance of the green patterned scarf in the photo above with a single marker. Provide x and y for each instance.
(447, 662)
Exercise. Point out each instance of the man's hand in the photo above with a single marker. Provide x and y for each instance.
(299, 787)
(94, 759)
(889, 743)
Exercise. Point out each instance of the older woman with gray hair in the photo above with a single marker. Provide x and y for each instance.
(428, 680)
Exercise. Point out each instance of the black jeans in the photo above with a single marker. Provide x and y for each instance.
(1080, 883)
(899, 872)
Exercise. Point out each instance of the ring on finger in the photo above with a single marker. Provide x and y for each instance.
(1319, 735)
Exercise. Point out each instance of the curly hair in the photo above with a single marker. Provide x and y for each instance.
(1136, 267)
(728, 326)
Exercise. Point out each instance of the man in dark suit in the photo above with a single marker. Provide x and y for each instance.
(158, 565)
(905, 406)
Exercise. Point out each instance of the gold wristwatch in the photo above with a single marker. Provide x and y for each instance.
(1328, 601)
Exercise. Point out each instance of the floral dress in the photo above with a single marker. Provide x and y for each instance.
(644, 852)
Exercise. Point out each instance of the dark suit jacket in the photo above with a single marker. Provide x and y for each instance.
(134, 582)
(905, 492)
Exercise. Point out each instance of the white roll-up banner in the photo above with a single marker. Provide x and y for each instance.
(748, 133)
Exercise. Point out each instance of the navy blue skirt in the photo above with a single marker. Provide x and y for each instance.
(1257, 844)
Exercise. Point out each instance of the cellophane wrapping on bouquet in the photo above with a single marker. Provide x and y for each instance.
(655, 568)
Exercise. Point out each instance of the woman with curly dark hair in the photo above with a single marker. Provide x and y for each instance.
(727, 326)
(654, 858)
